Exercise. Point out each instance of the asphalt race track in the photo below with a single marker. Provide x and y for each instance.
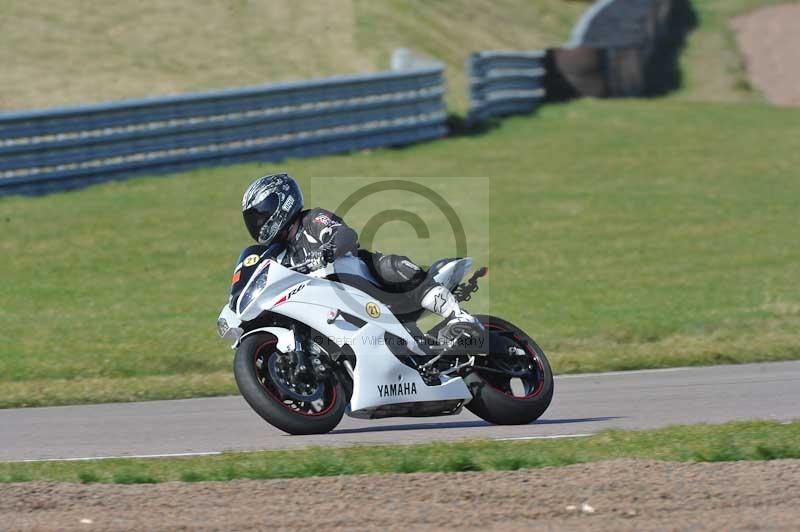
(583, 404)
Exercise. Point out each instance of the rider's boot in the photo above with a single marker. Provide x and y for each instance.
(460, 328)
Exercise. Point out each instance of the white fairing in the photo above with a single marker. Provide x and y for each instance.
(379, 377)
(285, 337)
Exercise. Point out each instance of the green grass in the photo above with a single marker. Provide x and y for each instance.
(701, 443)
(621, 235)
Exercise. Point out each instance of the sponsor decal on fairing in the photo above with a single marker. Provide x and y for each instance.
(288, 296)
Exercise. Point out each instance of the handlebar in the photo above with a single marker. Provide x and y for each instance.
(300, 266)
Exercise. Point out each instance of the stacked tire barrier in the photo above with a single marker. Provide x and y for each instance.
(504, 83)
(611, 50)
(621, 23)
(63, 148)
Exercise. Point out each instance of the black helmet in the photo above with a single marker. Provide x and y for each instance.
(269, 205)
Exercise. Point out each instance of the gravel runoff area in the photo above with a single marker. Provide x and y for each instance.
(614, 495)
(769, 39)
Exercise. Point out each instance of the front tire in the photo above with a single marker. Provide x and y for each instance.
(494, 398)
(256, 386)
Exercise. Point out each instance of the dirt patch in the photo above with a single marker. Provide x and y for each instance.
(770, 42)
(618, 495)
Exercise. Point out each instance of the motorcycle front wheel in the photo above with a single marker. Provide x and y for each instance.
(509, 389)
(304, 411)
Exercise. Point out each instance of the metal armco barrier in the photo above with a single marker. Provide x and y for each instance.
(57, 149)
(504, 83)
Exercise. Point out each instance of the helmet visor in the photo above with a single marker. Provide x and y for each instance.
(260, 214)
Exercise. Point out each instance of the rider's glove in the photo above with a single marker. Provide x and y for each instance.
(316, 261)
(320, 258)
(328, 253)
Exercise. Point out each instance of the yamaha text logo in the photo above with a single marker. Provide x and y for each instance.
(397, 390)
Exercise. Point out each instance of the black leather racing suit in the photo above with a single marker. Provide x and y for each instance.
(396, 273)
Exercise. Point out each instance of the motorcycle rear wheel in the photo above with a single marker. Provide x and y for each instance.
(494, 398)
(264, 396)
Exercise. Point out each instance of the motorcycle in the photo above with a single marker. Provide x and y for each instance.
(310, 348)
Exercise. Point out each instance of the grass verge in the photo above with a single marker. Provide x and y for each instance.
(702, 443)
(54, 392)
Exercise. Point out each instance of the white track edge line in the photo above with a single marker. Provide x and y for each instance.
(552, 437)
(618, 373)
(90, 458)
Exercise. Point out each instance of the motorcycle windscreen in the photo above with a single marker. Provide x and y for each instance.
(249, 260)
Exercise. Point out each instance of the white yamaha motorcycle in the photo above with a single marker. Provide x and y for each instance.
(310, 349)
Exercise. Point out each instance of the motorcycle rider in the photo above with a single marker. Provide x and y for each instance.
(272, 207)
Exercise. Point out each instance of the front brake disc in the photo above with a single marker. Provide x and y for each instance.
(289, 387)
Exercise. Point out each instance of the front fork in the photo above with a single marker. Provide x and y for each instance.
(308, 356)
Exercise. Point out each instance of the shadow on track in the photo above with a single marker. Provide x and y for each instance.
(463, 425)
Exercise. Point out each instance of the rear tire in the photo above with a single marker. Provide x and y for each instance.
(490, 402)
(254, 385)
